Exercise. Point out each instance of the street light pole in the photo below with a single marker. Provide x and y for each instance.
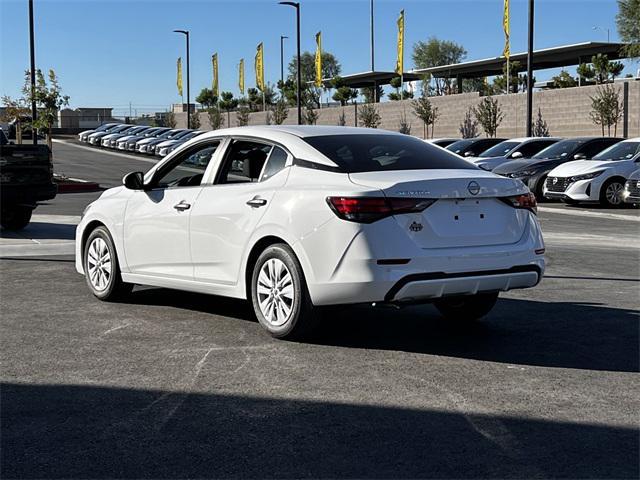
(530, 71)
(597, 27)
(186, 34)
(372, 51)
(282, 37)
(296, 5)
(32, 49)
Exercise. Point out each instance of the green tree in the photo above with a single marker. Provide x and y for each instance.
(310, 115)
(242, 116)
(469, 126)
(369, 116)
(170, 120)
(517, 82)
(396, 83)
(194, 120)
(342, 93)
(227, 103)
(330, 68)
(280, 111)
(606, 108)
(405, 126)
(601, 69)
(206, 98)
(425, 111)
(435, 53)
(540, 128)
(489, 115)
(48, 98)
(564, 80)
(216, 120)
(628, 23)
(367, 93)
(342, 119)
(15, 110)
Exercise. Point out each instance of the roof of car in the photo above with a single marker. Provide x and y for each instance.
(635, 139)
(302, 131)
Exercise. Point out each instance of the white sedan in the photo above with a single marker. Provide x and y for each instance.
(295, 218)
(600, 179)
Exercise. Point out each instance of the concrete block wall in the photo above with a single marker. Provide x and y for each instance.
(566, 112)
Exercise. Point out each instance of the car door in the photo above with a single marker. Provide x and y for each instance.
(156, 220)
(228, 211)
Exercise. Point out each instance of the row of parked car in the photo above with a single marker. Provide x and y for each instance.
(159, 141)
(574, 170)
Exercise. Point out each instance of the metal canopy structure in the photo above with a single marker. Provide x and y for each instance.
(555, 57)
(368, 79)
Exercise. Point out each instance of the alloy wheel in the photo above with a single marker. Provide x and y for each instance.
(614, 193)
(99, 265)
(275, 292)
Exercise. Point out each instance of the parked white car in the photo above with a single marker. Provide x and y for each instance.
(293, 218)
(600, 179)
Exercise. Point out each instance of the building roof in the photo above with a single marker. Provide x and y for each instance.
(554, 57)
(368, 79)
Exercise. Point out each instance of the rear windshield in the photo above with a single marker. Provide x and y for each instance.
(460, 145)
(500, 149)
(374, 153)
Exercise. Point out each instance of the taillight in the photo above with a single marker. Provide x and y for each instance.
(526, 200)
(371, 209)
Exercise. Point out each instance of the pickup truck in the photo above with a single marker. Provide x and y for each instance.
(26, 178)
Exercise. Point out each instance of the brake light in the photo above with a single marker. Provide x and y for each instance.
(371, 209)
(526, 200)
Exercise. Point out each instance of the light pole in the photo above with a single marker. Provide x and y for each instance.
(371, 26)
(186, 34)
(32, 48)
(296, 5)
(530, 71)
(282, 37)
(598, 27)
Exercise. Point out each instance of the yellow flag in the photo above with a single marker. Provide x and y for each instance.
(241, 76)
(215, 87)
(179, 79)
(506, 28)
(259, 67)
(318, 82)
(400, 58)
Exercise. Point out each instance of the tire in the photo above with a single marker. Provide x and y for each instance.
(16, 218)
(538, 191)
(468, 307)
(611, 193)
(279, 295)
(103, 278)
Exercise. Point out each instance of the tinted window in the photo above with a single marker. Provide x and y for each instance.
(460, 145)
(533, 147)
(559, 150)
(596, 147)
(619, 151)
(275, 163)
(372, 153)
(244, 162)
(500, 149)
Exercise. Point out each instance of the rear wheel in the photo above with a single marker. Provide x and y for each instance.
(468, 307)
(279, 294)
(101, 268)
(611, 193)
(15, 218)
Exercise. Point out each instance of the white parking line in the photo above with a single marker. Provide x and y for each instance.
(106, 152)
(584, 213)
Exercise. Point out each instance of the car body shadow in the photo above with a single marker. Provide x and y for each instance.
(42, 231)
(82, 431)
(517, 331)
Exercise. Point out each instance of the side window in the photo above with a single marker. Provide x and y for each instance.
(244, 162)
(275, 163)
(531, 148)
(595, 147)
(189, 169)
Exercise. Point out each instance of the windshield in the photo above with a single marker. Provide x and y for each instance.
(119, 129)
(559, 150)
(181, 134)
(619, 151)
(135, 131)
(500, 149)
(104, 127)
(374, 153)
(460, 145)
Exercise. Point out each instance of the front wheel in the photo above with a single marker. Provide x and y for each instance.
(468, 307)
(15, 218)
(101, 268)
(611, 193)
(279, 294)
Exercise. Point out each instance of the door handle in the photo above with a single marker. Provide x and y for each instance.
(182, 206)
(256, 202)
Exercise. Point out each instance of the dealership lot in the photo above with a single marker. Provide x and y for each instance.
(173, 384)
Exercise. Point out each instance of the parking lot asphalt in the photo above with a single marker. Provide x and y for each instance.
(171, 384)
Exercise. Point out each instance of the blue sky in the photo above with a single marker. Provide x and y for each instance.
(112, 52)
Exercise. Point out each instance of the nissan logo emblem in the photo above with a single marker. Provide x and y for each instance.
(473, 188)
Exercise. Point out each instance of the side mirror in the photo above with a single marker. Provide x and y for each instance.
(133, 181)
(579, 156)
(516, 155)
(469, 153)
